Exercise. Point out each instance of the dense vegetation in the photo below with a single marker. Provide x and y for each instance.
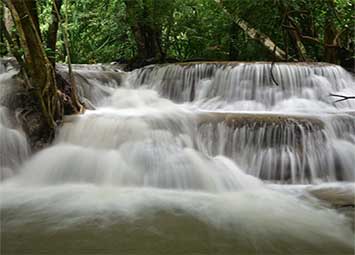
(122, 30)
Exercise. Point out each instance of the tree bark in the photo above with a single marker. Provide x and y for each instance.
(233, 35)
(13, 47)
(261, 38)
(3, 31)
(77, 106)
(53, 30)
(296, 39)
(330, 35)
(255, 34)
(293, 31)
(146, 33)
(37, 70)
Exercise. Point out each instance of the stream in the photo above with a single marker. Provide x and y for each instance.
(197, 158)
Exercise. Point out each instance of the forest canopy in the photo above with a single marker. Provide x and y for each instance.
(178, 30)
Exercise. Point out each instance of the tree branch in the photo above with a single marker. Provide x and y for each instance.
(342, 97)
(53, 30)
(255, 34)
(271, 69)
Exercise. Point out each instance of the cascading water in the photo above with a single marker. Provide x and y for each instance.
(13, 144)
(306, 146)
(144, 175)
(249, 86)
(95, 82)
(299, 149)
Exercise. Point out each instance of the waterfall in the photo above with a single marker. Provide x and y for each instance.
(14, 148)
(94, 82)
(256, 134)
(293, 150)
(249, 86)
(168, 157)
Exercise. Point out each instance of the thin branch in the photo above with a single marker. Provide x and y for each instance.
(311, 39)
(288, 27)
(342, 97)
(296, 36)
(74, 96)
(272, 67)
(297, 11)
(338, 35)
(14, 48)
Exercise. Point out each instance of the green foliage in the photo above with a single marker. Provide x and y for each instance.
(100, 30)
(197, 29)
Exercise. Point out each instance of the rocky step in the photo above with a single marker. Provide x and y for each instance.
(276, 129)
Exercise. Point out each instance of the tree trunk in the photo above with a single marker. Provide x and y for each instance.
(38, 72)
(3, 31)
(76, 105)
(256, 35)
(73, 104)
(9, 44)
(296, 40)
(233, 35)
(330, 34)
(146, 33)
(53, 31)
(261, 38)
(293, 32)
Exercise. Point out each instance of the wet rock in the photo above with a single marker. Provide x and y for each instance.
(338, 195)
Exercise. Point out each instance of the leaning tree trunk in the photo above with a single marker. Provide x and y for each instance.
(255, 34)
(38, 72)
(261, 38)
